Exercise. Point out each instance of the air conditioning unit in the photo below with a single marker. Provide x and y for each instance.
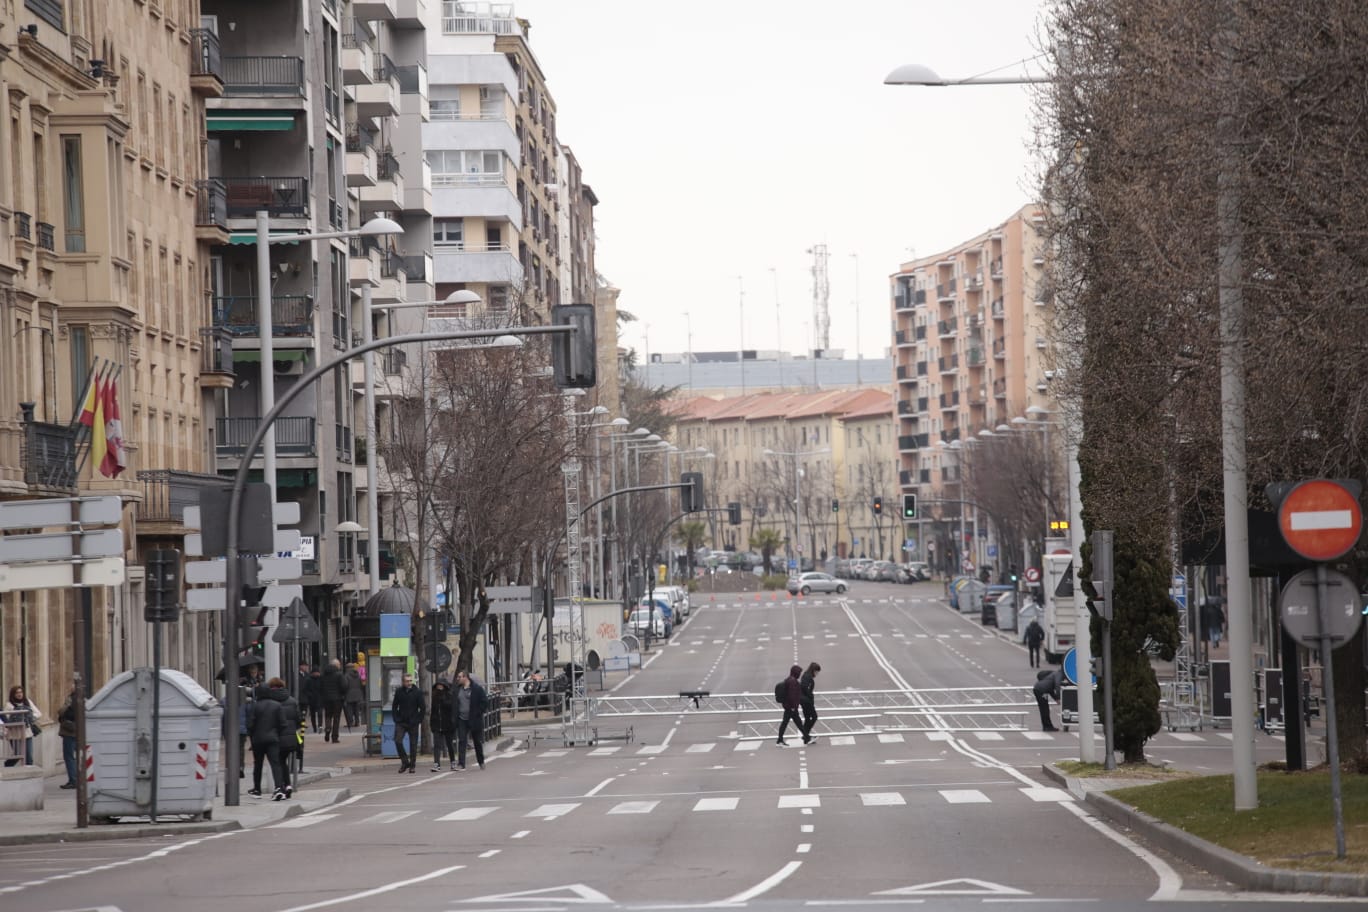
(288, 368)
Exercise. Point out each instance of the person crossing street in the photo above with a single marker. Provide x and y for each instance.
(468, 706)
(808, 699)
(408, 709)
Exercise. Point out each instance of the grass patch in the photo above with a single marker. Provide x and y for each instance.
(1139, 771)
(1293, 827)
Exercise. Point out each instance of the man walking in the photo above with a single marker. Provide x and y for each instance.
(1047, 685)
(66, 728)
(793, 695)
(442, 725)
(354, 694)
(407, 709)
(808, 684)
(265, 724)
(331, 688)
(469, 706)
(1035, 635)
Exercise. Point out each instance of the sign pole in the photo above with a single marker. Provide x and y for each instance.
(1328, 678)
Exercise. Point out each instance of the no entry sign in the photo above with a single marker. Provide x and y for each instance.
(1320, 519)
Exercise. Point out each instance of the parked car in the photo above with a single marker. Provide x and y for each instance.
(816, 582)
(644, 620)
(858, 567)
(679, 599)
(883, 571)
(919, 569)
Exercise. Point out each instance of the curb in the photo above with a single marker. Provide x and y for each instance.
(1239, 869)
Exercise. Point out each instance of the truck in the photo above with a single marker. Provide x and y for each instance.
(1059, 617)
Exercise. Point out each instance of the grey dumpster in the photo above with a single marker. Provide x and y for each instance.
(119, 731)
(1006, 611)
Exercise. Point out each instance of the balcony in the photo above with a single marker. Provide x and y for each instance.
(418, 197)
(905, 478)
(975, 357)
(286, 197)
(393, 361)
(410, 14)
(381, 97)
(999, 310)
(948, 365)
(49, 454)
(363, 266)
(358, 57)
(294, 436)
(211, 211)
(276, 77)
(999, 349)
(949, 401)
(342, 438)
(206, 64)
(361, 167)
(946, 329)
(47, 237)
(907, 441)
(393, 288)
(388, 193)
(165, 495)
(216, 358)
(995, 270)
(902, 337)
(472, 265)
(1000, 388)
(373, 9)
(417, 268)
(906, 407)
(291, 315)
(904, 375)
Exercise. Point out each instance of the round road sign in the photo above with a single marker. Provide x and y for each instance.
(1032, 574)
(1301, 620)
(1320, 519)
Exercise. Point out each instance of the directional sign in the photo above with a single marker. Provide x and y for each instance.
(57, 511)
(278, 595)
(509, 599)
(1320, 519)
(54, 546)
(1297, 607)
(1070, 666)
(105, 571)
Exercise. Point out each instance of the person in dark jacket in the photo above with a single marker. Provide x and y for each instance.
(793, 698)
(1035, 635)
(1047, 685)
(468, 709)
(331, 689)
(408, 709)
(354, 697)
(66, 728)
(311, 698)
(808, 702)
(264, 724)
(291, 734)
(442, 725)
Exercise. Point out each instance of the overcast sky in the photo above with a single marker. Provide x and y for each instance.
(724, 140)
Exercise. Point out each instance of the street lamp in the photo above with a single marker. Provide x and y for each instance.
(376, 227)
(797, 499)
(368, 378)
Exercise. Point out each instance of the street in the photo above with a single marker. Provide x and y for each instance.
(688, 813)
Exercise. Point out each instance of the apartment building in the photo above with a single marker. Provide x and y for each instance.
(970, 330)
(107, 221)
(819, 450)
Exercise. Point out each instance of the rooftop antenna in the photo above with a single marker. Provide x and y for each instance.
(821, 293)
(778, 328)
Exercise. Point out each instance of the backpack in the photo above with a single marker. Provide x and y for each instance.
(781, 691)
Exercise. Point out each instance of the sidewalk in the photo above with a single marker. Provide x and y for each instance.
(324, 781)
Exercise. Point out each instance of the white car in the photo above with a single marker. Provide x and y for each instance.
(679, 599)
(643, 619)
(816, 582)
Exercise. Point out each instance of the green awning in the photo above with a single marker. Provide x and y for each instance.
(245, 121)
(249, 237)
(253, 355)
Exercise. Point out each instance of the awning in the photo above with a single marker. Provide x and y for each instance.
(249, 237)
(248, 121)
(278, 354)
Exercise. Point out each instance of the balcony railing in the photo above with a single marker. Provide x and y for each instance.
(211, 203)
(387, 166)
(167, 492)
(49, 454)
(393, 361)
(282, 196)
(263, 76)
(23, 225)
(291, 315)
(47, 236)
(415, 267)
(390, 265)
(216, 350)
(205, 57)
(294, 436)
(497, 19)
(342, 439)
(385, 70)
(359, 139)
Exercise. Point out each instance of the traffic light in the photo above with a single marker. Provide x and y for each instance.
(691, 491)
(574, 356)
(734, 513)
(877, 506)
(435, 626)
(161, 601)
(254, 630)
(835, 505)
(1095, 666)
(909, 506)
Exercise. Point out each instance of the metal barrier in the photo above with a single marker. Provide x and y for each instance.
(15, 733)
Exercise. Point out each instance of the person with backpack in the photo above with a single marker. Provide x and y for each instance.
(1048, 684)
(789, 693)
(808, 684)
(1035, 635)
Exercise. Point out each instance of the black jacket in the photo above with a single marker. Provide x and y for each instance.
(1034, 633)
(408, 707)
(807, 684)
(793, 696)
(310, 689)
(354, 690)
(443, 715)
(479, 703)
(265, 721)
(331, 687)
(289, 719)
(1048, 683)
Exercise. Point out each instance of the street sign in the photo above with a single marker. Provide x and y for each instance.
(1320, 519)
(104, 571)
(1071, 668)
(1032, 574)
(57, 546)
(57, 511)
(1297, 608)
(1179, 591)
(296, 624)
(992, 550)
(509, 599)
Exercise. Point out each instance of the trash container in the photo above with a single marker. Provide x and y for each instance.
(1006, 611)
(119, 733)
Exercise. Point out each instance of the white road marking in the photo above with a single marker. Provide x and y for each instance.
(374, 891)
(890, 738)
(964, 796)
(1185, 736)
(702, 748)
(491, 853)
(1040, 793)
(800, 801)
(520, 834)
(295, 823)
(747, 745)
(841, 740)
(634, 807)
(552, 811)
(1038, 736)
(598, 788)
(806, 828)
(881, 799)
(990, 736)
(764, 886)
(385, 817)
(804, 848)
(468, 813)
(653, 749)
(1169, 881)
(717, 804)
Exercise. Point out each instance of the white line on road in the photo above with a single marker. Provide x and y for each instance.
(804, 848)
(764, 886)
(467, 813)
(634, 807)
(295, 823)
(491, 853)
(374, 891)
(520, 834)
(1169, 881)
(964, 796)
(598, 788)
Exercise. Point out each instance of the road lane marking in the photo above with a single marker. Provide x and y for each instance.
(800, 801)
(490, 854)
(764, 886)
(374, 891)
(520, 834)
(1185, 736)
(964, 796)
(1169, 881)
(604, 751)
(701, 748)
(747, 745)
(653, 749)
(804, 848)
(552, 811)
(598, 788)
(881, 799)
(385, 817)
(468, 813)
(990, 736)
(634, 807)
(295, 823)
(1041, 793)
(717, 804)
(841, 740)
(890, 738)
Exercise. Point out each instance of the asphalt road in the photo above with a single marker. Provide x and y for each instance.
(687, 813)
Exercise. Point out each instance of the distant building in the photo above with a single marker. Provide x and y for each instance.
(722, 374)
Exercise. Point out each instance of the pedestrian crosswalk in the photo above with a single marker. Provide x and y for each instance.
(518, 814)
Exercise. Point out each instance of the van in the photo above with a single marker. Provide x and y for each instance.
(679, 599)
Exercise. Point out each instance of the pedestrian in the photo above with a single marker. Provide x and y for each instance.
(66, 728)
(1213, 619)
(20, 709)
(793, 697)
(808, 702)
(408, 710)
(1047, 685)
(331, 689)
(442, 725)
(311, 698)
(354, 696)
(265, 722)
(469, 707)
(1035, 635)
(291, 734)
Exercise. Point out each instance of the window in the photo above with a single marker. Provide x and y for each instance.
(80, 356)
(493, 237)
(445, 109)
(498, 300)
(451, 167)
(73, 201)
(448, 233)
(491, 101)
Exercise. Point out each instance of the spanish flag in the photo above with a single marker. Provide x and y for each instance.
(93, 417)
